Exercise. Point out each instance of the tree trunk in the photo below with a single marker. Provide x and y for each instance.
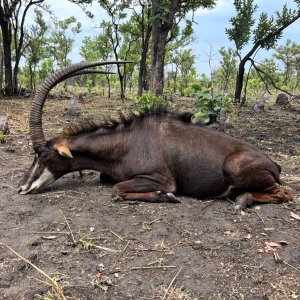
(175, 80)
(109, 88)
(161, 26)
(142, 81)
(6, 39)
(159, 39)
(239, 81)
(146, 34)
(1, 69)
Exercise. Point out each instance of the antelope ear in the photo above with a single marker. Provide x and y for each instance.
(63, 149)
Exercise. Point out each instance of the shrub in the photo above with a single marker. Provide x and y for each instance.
(207, 106)
(149, 101)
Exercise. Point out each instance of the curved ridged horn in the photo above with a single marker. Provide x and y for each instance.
(35, 118)
(83, 72)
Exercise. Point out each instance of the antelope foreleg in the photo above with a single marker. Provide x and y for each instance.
(141, 189)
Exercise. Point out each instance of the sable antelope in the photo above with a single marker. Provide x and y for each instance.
(152, 156)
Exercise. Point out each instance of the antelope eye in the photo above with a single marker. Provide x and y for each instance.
(42, 152)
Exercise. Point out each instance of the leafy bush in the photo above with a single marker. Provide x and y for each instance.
(207, 106)
(89, 85)
(149, 101)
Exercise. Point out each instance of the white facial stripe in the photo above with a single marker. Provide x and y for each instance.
(45, 179)
(33, 171)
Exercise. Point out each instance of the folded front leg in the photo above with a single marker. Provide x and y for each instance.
(145, 189)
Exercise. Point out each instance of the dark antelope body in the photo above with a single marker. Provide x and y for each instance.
(152, 156)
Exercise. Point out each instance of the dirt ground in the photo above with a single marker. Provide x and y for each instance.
(96, 248)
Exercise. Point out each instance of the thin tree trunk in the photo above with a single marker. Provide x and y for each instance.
(6, 38)
(1, 69)
(160, 31)
(143, 65)
(108, 85)
(159, 39)
(146, 34)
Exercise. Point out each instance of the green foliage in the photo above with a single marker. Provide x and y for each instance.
(46, 68)
(89, 85)
(34, 52)
(240, 32)
(208, 106)
(62, 40)
(228, 68)
(266, 33)
(149, 101)
(2, 138)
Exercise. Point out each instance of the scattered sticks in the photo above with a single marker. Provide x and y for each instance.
(71, 233)
(54, 284)
(172, 281)
(119, 257)
(279, 260)
(75, 242)
(262, 220)
(152, 267)
(120, 238)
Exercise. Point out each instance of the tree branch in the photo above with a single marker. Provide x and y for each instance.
(258, 70)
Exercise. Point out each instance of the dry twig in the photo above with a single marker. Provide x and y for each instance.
(172, 281)
(71, 233)
(152, 267)
(54, 284)
(120, 255)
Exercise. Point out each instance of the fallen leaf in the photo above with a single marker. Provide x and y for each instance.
(272, 246)
(248, 236)
(101, 267)
(295, 216)
(283, 243)
(49, 237)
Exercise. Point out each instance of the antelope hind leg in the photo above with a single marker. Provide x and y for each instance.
(275, 195)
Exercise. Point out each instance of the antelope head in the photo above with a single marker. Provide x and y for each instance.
(53, 158)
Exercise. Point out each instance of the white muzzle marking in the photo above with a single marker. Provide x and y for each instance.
(45, 179)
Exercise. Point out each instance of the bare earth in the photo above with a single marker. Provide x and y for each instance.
(96, 248)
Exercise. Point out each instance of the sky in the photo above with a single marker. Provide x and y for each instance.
(209, 28)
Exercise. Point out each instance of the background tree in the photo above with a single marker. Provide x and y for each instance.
(98, 48)
(165, 15)
(267, 32)
(228, 68)
(141, 17)
(289, 58)
(116, 10)
(186, 66)
(62, 39)
(12, 19)
(35, 51)
(1, 64)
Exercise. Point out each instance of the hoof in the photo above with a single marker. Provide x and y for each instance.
(172, 198)
(238, 208)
